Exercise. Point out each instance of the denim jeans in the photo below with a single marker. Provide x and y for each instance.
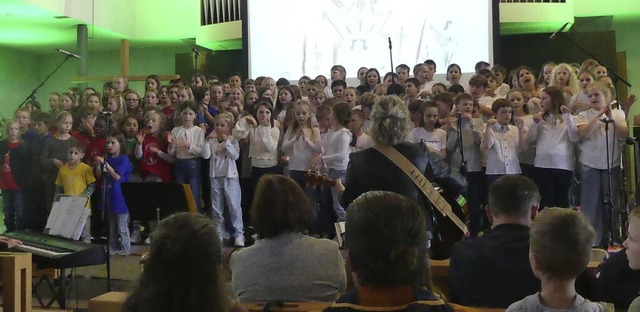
(119, 233)
(187, 171)
(13, 201)
(226, 190)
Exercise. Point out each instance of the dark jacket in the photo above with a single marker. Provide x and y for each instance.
(369, 170)
(19, 162)
(492, 270)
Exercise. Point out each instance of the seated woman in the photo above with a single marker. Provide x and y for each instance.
(285, 264)
(386, 244)
(182, 270)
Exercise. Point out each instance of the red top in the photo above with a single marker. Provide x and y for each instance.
(6, 176)
(151, 163)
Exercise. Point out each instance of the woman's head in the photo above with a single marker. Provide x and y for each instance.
(189, 110)
(391, 121)
(387, 240)
(93, 101)
(189, 245)
(551, 98)
(115, 143)
(546, 72)
(280, 206)
(114, 104)
(152, 83)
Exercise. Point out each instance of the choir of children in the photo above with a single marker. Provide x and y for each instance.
(165, 135)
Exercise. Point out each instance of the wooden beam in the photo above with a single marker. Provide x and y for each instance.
(124, 57)
(110, 78)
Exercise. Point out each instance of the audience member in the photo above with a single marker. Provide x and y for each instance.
(189, 245)
(493, 270)
(284, 263)
(386, 244)
(560, 250)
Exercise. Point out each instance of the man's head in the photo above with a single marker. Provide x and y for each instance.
(632, 243)
(560, 244)
(513, 199)
(386, 240)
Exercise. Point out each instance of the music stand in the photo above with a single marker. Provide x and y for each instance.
(157, 200)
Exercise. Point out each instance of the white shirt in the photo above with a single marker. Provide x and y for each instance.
(223, 157)
(301, 150)
(502, 154)
(554, 149)
(593, 149)
(471, 137)
(436, 139)
(336, 149)
(193, 135)
(502, 90)
(263, 143)
(363, 141)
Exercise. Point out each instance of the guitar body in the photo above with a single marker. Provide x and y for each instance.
(445, 232)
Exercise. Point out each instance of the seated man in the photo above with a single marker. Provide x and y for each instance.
(493, 270)
(386, 242)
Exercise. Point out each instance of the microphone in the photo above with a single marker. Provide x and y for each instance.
(631, 141)
(389, 42)
(559, 30)
(606, 120)
(195, 51)
(67, 53)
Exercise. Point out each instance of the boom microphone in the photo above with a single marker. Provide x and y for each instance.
(67, 53)
(559, 30)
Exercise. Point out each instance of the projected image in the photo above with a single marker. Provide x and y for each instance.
(291, 38)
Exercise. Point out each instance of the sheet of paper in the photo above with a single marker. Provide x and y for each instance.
(53, 215)
(80, 226)
(71, 210)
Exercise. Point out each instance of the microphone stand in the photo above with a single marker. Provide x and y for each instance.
(608, 203)
(32, 95)
(196, 54)
(614, 76)
(463, 162)
(105, 199)
(391, 59)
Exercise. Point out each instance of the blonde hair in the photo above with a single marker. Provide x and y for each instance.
(390, 120)
(295, 125)
(572, 80)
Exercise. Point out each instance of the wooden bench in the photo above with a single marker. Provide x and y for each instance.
(16, 281)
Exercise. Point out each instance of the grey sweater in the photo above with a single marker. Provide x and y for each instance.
(532, 303)
(290, 267)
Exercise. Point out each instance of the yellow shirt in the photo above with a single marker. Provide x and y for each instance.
(75, 181)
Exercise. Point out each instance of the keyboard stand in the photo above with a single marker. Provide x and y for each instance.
(57, 286)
